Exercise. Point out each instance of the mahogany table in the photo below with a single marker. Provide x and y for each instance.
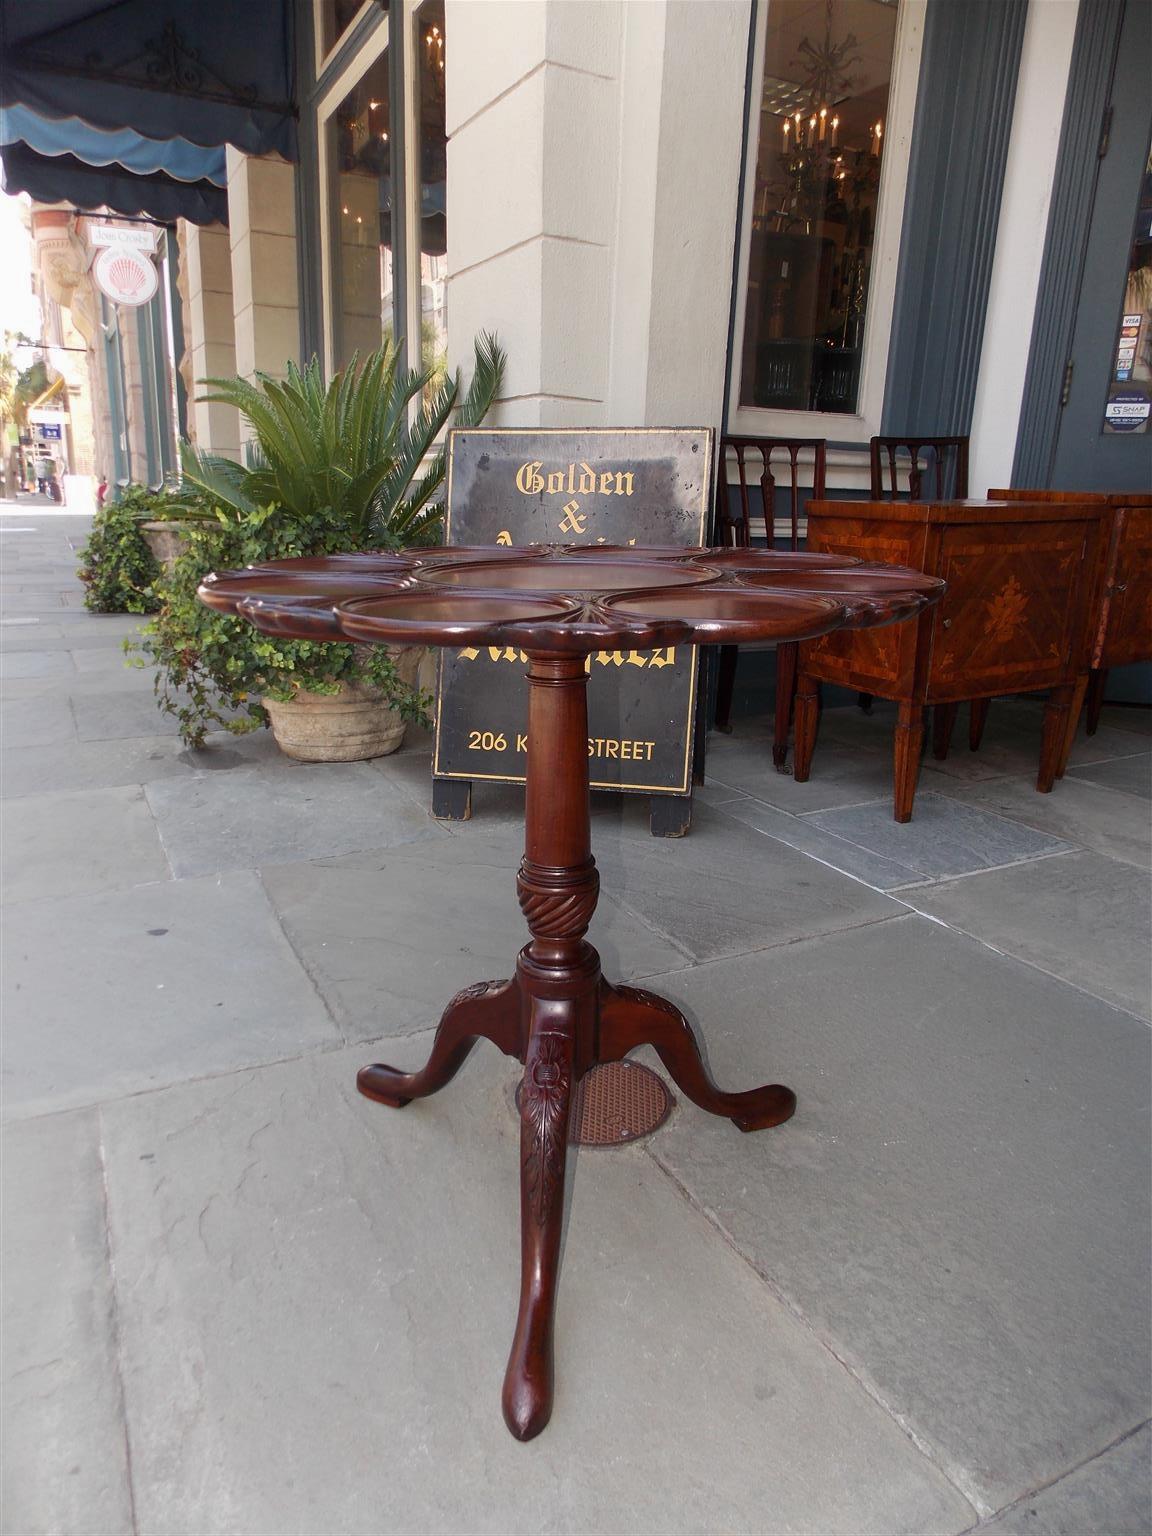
(557, 1015)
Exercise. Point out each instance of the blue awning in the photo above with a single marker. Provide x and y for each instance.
(66, 160)
(65, 179)
(209, 73)
(126, 148)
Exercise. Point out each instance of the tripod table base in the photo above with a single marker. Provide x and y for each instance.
(559, 1039)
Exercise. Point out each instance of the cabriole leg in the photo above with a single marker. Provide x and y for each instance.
(631, 1017)
(488, 1010)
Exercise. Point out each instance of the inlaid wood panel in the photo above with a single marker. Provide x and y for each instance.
(1021, 613)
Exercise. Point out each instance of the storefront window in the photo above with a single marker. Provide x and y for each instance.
(818, 138)
(432, 170)
(360, 156)
(1129, 403)
(336, 16)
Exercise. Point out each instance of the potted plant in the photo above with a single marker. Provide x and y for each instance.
(347, 466)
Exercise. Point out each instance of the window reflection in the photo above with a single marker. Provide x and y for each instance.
(431, 160)
(361, 156)
(823, 112)
(1129, 403)
(336, 16)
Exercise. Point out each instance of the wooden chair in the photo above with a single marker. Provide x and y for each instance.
(1122, 622)
(734, 528)
(948, 456)
(1023, 581)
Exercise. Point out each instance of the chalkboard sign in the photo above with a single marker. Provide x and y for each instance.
(511, 486)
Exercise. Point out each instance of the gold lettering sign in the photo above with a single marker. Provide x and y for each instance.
(664, 657)
(580, 488)
(573, 480)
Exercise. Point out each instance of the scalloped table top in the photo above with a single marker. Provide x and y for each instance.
(568, 599)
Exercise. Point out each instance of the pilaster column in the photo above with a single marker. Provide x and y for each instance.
(262, 229)
(209, 331)
(592, 197)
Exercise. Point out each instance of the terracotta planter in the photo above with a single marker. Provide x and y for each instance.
(344, 727)
(166, 541)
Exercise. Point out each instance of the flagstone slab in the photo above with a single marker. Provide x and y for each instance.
(317, 1297)
(1104, 820)
(117, 992)
(66, 844)
(1132, 775)
(65, 1465)
(93, 765)
(960, 1206)
(106, 713)
(805, 835)
(36, 722)
(725, 889)
(945, 836)
(1082, 917)
(239, 820)
(1111, 1496)
(390, 937)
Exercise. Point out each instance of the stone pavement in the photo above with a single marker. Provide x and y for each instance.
(240, 1299)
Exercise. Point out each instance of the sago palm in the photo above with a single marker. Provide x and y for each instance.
(347, 455)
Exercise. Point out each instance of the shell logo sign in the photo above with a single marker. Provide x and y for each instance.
(125, 276)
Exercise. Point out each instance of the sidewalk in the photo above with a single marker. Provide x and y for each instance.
(240, 1299)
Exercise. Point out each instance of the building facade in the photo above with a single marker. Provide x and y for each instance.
(799, 218)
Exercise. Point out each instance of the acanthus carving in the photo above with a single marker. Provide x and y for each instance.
(544, 1100)
(477, 989)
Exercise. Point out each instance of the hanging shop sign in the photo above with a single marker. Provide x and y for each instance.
(511, 487)
(140, 237)
(125, 275)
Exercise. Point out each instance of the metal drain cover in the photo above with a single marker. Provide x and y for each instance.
(617, 1102)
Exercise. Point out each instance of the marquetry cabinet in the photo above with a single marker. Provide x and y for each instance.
(1122, 622)
(1023, 582)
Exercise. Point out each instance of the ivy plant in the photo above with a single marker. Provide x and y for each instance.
(213, 669)
(116, 566)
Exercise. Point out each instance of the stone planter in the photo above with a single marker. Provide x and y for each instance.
(166, 541)
(344, 727)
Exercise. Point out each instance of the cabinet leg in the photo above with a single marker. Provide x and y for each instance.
(943, 721)
(545, 1106)
(725, 687)
(908, 745)
(1054, 742)
(631, 1017)
(977, 718)
(1079, 689)
(786, 660)
(1098, 681)
(807, 723)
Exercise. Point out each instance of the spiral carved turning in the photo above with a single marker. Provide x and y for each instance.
(554, 907)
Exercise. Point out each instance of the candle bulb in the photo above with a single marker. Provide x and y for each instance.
(823, 123)
(787, 125)
(835, 132)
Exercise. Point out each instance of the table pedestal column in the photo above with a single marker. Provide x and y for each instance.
(559, 1017)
